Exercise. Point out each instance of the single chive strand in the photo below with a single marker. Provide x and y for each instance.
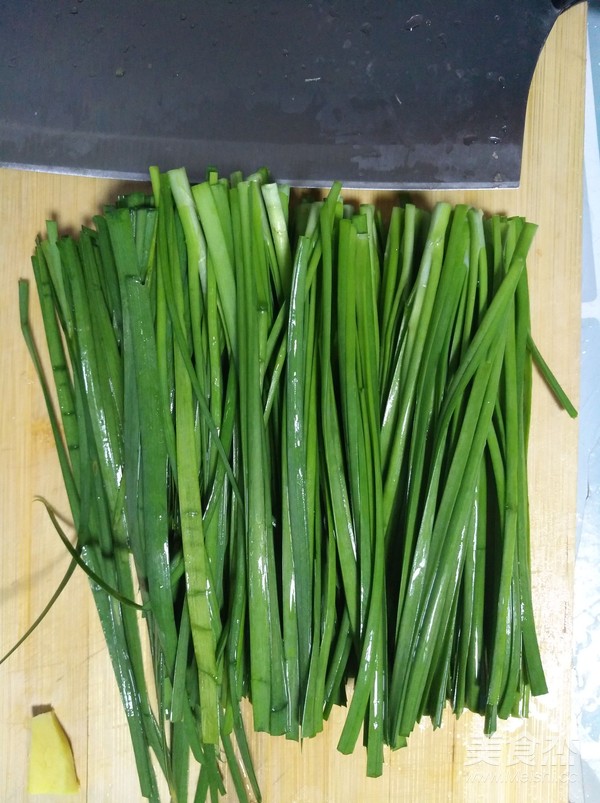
(390, 291)
(328, 626)
(335, 479)
(164, 359)
(51, 253)
(370, 684)
(58, 359)
(338, 666)
(44, 612)
(468, 636)
(224, 268)
(296, 460)
(370, 351)
(551, 379)
(289, 609)
(512, 674)
(75, 554)
(279, 232)
(214, 362)
(312, 716)
(349, 402)
(199, 603)
(474, 674)
(235, 648)
(341, 507)
(230, 411)
(263, 618)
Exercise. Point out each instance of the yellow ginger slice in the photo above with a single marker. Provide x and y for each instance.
(51, 763)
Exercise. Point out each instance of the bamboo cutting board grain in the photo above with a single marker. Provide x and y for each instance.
(65, 664)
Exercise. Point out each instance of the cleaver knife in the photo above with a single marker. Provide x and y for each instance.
(411, 94)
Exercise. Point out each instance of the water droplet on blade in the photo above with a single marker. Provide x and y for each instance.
(413, 22)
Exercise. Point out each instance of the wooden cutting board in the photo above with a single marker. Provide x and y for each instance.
(65, 664)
